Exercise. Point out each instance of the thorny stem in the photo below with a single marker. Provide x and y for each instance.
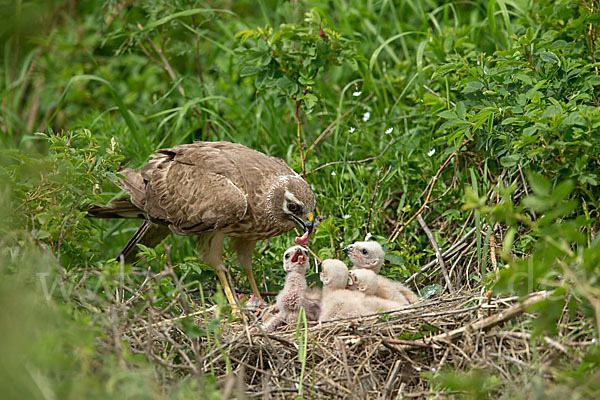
(398, 229)
(355, 161)
(341, 117)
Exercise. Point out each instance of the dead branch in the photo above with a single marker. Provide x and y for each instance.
(452, 249)
(334, 123)
(397, 230)
(353, 161)
(438, 254)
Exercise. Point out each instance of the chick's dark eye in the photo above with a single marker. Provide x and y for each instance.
(364, 251)
(293, 207)
(287, 256)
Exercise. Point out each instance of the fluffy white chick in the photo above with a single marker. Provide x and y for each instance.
(366, 282)
(293, 295)
(337, 301)
(370, 255)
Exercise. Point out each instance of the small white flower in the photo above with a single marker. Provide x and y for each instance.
(500, 109)
(389, 130)
(309, 111)
(351, 130)
(369, 236)
(477, 62)
(431, 152)
(366, 116)
(357, 93)
(333, 173)
(347, 216)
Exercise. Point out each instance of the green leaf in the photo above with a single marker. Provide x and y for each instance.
(539, 184)
(448, 114)
(430, 291)
(530, 130)
(395, 259)
(510, 160)
(248, 70)
(461, 110)
(549, 57)
(472, 87)
(287, 85)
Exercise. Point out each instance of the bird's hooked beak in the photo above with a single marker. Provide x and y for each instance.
(307, 226)
(347, 249)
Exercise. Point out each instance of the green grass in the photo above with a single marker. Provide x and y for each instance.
(110, 84)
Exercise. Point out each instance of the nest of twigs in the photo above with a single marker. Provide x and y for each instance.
(380, 356)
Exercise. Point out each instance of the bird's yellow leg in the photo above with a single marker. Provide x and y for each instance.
(244, 249)
(227, 289)
(253, 285)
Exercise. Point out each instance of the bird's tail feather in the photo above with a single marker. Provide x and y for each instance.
(121, 207)
(149, 234)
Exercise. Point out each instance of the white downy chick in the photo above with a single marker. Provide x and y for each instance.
(370, 255)
(337, 302)
(293, 295)
(366, 281)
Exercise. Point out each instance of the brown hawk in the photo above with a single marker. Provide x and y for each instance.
(213, 190)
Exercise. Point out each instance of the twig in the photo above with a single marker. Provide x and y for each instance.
(165, 63)
(438, 95)
(353, 161)
(438, 254)
(397, 229)
(280, 376)
(390, 382)
(426, 315)
(444, 254)
(493, 320)
(527, 336)
(341, 117)
(525, 188)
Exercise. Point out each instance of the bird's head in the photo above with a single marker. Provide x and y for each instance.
(334, 274)
(295, 259)
(367, 255)
(363, 280)
(291, 202)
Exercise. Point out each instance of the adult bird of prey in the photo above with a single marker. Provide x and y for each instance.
(213, 190)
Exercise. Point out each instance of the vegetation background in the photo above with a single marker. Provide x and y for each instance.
(471, 114)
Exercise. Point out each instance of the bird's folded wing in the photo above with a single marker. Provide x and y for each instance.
(192, 199)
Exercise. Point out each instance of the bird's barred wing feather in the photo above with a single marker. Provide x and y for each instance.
(192, 193)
